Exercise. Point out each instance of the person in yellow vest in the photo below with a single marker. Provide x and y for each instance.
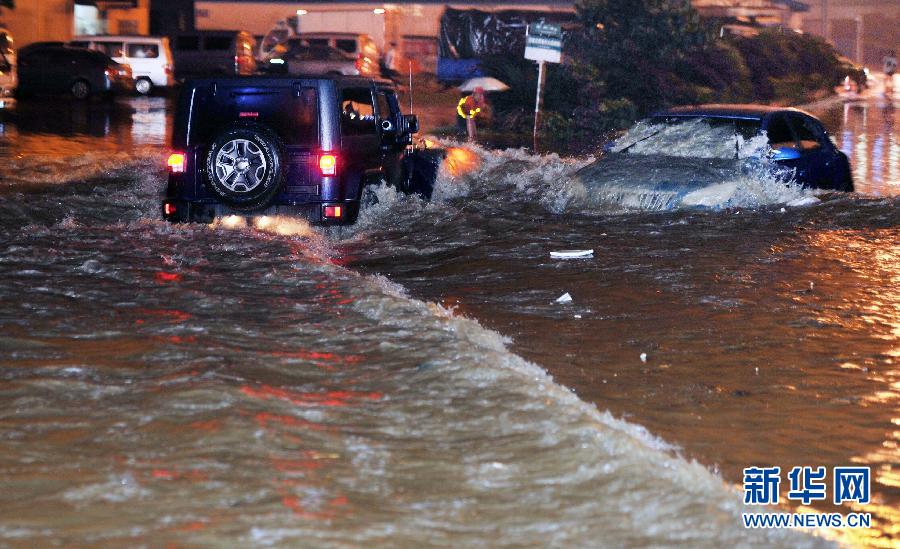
(468, 108)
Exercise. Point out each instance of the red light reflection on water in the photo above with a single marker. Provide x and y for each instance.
(164, 277)
(166, 315)
(329, 398)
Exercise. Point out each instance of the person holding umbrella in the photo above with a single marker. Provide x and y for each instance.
(471, 106)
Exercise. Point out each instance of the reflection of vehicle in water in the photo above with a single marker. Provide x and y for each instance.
(209, 53)
(149, 57)
(698, 156)
(299, 58)
(53, 67)
(262, 146)
(8, 72)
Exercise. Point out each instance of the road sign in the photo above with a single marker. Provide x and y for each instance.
(543, 42)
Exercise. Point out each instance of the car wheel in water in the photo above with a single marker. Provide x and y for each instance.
(143, 86)
(244, 168)
(80, 89)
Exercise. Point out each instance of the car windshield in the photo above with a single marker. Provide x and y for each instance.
(693, 137)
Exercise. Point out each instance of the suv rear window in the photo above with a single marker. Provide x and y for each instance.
(346, 44)
(216, 43)
(112, 49)
(187, 43)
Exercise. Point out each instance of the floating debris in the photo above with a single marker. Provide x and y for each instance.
(572, 254)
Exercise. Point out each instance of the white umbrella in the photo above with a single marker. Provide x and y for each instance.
(484, 82)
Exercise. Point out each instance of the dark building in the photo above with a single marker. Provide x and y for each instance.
(169, 17)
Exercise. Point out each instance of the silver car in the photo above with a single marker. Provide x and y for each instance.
(303, 59)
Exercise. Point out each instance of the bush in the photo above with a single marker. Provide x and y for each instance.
(633, 57)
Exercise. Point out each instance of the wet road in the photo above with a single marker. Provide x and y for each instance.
(243, 384)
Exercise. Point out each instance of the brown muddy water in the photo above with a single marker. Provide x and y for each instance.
(291, 386)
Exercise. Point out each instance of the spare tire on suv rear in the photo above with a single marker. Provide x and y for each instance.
(244, 167)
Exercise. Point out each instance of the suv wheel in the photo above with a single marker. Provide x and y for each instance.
(80, 89)
(143, 86)
(243, 167)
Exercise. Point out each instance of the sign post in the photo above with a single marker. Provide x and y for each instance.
(543, 43)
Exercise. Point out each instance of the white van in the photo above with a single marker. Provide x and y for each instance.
(8, 79)
(149, 57)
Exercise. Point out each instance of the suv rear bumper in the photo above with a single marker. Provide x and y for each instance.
(182, 211)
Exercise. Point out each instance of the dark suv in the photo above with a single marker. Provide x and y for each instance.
(298, 146)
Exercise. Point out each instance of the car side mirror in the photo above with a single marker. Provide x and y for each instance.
(785, 153)
(411, 124)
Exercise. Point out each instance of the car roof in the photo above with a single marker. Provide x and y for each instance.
(745, 111)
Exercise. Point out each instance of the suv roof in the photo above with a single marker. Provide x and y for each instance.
(262, 80)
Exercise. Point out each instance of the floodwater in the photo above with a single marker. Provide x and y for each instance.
(412, 380)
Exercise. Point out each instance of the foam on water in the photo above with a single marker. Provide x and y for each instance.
(699, 174)
(234, 384)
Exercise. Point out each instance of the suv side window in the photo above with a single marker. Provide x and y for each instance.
(384, 109)
(809, 133)
(143, 50)
(357, 114)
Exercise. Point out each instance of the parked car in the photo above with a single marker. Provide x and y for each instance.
(276, 145)
(676, 156)
(213, 53)
(149, 57)
(53, 67)
(299, 58)
(8, 71)
(361, 46)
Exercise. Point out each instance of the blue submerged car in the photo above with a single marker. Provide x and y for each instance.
(679, 156)
(797, 140)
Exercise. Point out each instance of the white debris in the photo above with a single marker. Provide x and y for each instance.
(572, 254)
(565, 298)
(643, 357)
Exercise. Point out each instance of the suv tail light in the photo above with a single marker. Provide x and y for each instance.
(176, 162)
(360, 62)
(328, 164)
(333, 212)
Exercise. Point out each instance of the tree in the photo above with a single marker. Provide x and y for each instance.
(635, 45)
